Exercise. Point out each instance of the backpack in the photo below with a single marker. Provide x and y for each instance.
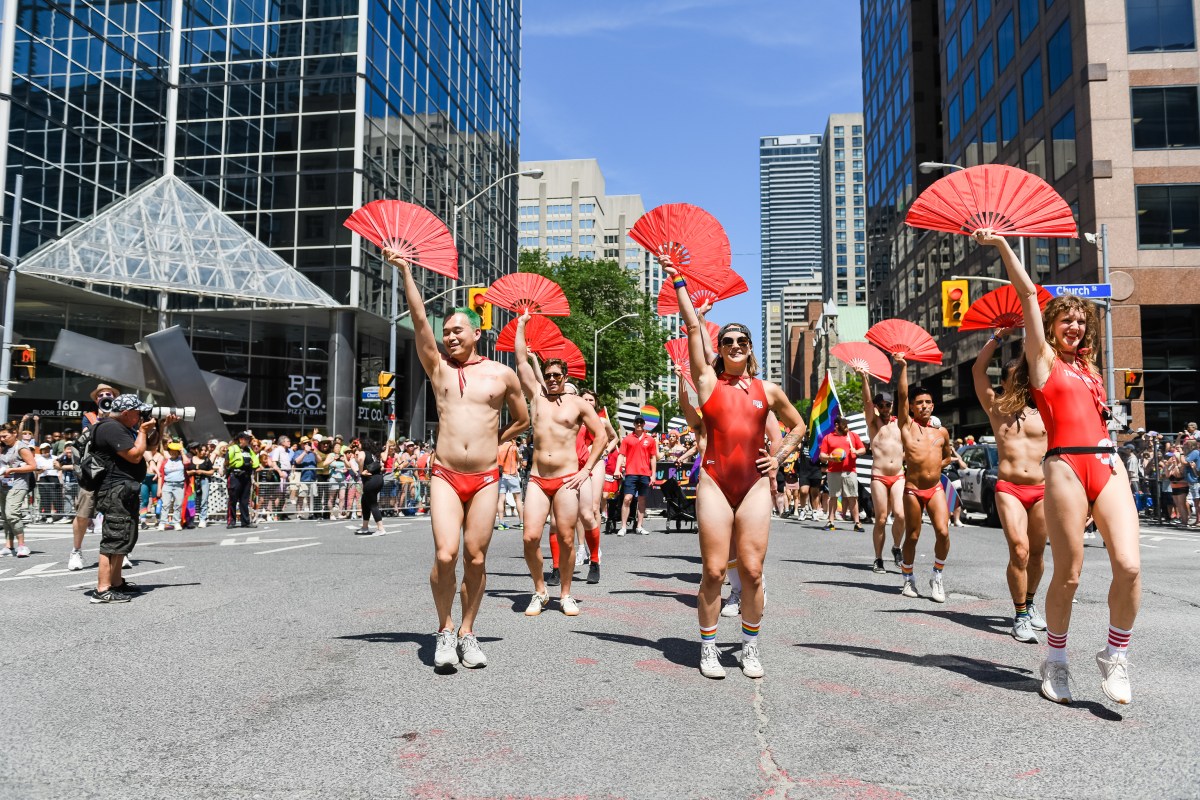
(91, 468)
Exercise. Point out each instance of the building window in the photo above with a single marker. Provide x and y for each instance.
(839, 130)
(1005, 45)
(987, 71)
(841, 261)
(1035, 159)
(1168, 216)
(1031, 89)
(953, 120)
(1156, 25)
(1063, 144)
(587, 208)
(966, 31)
(1165, 116)
(587, 239)
(950, 4)
(1008, 117)
(1058, 56)
(528, 241)
(1029, 17)
(951, 56)
(984, 11)
(968, 95)
(529, 211)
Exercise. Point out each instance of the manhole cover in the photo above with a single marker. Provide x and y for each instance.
(182, 544)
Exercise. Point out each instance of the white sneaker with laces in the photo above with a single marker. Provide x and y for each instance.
(446, 653)
(536, 604)
(569, 606)
(22, 551)
(1022, 630)
(751, 663)
(470, 653)
(580, 557)
(75, 562)
(1056, 682)
(936, 590)
(126, 563)
(1114, 676)
(710, 661)
(910, 589)
(621, 532)
(733, 606)
(643, 531)
(1036, 620)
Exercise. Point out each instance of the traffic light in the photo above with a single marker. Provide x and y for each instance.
(484, 310)
(387, 382)
(1133, 385)
(955, 302)
(24, 363)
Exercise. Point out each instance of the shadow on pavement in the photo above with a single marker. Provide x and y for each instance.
(687, 598)
(882, 588)
(980, 670)
(520, 599)
(684, 652)
(843, 564)
(689, 559)
(989, 623)
(426, 642)
(685, 577)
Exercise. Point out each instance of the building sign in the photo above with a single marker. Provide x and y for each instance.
(304, 395)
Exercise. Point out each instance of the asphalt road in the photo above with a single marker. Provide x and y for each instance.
(298, 664)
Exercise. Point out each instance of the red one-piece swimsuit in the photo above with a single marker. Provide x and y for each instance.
(735, 417)
(1070, 404)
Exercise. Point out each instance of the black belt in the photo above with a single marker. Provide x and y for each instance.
(1068, 451)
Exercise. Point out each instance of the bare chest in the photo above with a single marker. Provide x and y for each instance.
(1025, 427)
(475, 386)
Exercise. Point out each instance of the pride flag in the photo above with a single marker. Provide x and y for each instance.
(825, 410)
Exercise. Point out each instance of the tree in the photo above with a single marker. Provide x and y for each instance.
(849, 394)
(631, 352)
(804, 406)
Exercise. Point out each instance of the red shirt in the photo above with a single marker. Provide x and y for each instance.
(847, 444)
(638, 454)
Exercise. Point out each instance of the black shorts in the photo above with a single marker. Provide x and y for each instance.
(118, 501)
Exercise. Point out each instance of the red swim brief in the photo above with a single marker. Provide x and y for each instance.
(466, 484)
(1028, 495)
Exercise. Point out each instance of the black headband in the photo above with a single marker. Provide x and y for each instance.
(735, 326)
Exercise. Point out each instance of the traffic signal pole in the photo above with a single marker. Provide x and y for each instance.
(10, 299)
(1110, 372)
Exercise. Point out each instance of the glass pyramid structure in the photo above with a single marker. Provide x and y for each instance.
(167, 236)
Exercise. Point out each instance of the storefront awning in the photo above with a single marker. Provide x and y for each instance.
(167, 236)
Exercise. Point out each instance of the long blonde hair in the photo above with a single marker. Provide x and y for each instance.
(1013, 402)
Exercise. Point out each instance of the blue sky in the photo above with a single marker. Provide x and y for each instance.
(671, 97)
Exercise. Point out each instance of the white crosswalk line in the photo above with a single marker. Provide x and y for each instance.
(39, 568)
(129, 575)
(291, 547)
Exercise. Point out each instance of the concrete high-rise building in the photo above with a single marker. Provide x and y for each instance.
(1100, 98)
(789, 174)
(285, 117)
(844, 211)
(567, 212)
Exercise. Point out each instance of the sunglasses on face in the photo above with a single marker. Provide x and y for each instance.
(552, 375)
(740, 341)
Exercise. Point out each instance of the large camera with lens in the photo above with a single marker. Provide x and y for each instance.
(185, 413)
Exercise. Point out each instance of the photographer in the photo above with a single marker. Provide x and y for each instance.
(120, 443)
(85, 501)
(241, 462)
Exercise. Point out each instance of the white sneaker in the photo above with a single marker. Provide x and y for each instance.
(6, 551)
(1036, 620)
(643, 531)
(569, 606)
(710, 661)
(470, 653)
(751, 664)
(202, 523)
(1022, 630)
(910, 589)
(22, 551)
(579, 557)
(733, 606)
(1056, 682)
(536, 604)
(936, 590)
(446, 654)
(126, 563)
(1114, 677)
(75, 562)
(162, 526)
(621, 532)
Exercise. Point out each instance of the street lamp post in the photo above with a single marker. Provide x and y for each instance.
(596, 348)
(458, 209)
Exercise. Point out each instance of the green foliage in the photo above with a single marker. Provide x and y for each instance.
(804, 406)
(631, 352)
(849, 394)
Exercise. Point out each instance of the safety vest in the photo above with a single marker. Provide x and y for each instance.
(235, 458)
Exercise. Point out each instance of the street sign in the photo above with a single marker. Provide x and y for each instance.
(370, 393)
(1091, 291)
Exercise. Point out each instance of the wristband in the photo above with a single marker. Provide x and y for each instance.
(679, 283)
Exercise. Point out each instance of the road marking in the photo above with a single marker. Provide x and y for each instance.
(39, 568)
(258, 540)
(127, 575)
(2, 571)
(281, 549)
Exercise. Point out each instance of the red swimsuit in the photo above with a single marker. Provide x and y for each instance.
(735, 418)
(1070, 404)
(466, 484)
(583, 445)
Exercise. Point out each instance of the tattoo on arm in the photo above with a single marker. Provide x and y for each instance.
(789, 443)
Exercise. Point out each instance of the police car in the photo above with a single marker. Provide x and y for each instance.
(978, 492)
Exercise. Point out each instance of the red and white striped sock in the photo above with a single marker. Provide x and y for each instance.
(1058, 647)
(1118, 641)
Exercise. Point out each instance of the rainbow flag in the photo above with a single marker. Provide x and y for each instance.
(825, 410)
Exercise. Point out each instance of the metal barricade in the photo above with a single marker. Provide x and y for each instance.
(53, 500)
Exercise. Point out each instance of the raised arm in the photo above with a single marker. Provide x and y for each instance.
(902, 416)
(518, 411)
(983, 384)
(702, 312)
(874, 421)
(1038, 354)
(702, 372)
(427, 349)
(530, 382)
(690, 415)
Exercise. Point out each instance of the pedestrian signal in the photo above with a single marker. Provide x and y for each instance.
(955, 302)
(24, 363)
(387, 382)
(476, 303)
(1133, 385)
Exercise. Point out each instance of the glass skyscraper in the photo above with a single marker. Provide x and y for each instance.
(286, 116)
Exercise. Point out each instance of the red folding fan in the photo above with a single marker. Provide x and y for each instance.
(999, 308)
(902, 336)
(1010, 200)
(419, 236)
(692, 237)
(576, 363)
(528, 291)
(541, 335)
(668, 301)
(863, 355)
(678, 351)
(713, 329)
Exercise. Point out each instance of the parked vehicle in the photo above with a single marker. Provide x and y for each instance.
(978, 490)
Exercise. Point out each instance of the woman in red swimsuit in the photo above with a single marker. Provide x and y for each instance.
(1083, 475)
(733, 498)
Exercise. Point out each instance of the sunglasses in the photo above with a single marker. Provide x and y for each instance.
(740, 341)
(555, 375)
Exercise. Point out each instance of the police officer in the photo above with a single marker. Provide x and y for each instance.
(241, 462)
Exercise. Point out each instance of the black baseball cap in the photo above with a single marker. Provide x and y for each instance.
(882, 397)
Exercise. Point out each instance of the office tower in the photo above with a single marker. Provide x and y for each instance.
(844, 211)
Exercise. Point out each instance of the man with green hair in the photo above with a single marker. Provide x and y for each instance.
(470, 392)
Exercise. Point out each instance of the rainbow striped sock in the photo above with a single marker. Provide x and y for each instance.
(708, 634)
(938, 566)
(1058, 646)
(907, 569)
(1022, 609)
(750, 630)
